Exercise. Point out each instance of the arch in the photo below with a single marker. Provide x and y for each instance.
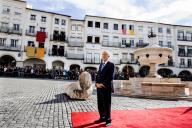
(185, 75)
(128, 71)
(7, 60)
(90, 68)
(144, 70)
(165, 72)
(74, 67)
(34, 62)
(58, 64)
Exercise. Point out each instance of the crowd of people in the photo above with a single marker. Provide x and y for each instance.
(41, 72)
(72, 74)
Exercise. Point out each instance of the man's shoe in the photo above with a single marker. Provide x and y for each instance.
(108, 123)
(100, 120)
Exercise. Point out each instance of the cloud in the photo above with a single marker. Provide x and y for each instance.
(166, 11)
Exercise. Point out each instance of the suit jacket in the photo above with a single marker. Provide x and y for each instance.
(105, 76)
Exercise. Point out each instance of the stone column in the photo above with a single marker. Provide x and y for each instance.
(152, 70)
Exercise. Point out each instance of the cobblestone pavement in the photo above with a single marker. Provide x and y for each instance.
(32, 103)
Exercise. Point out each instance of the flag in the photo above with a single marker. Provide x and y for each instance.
(40, 37)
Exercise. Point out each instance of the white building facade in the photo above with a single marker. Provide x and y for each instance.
(77, 43)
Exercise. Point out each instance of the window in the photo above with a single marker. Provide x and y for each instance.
(169, 44)
(140, 28)
(89, 39)
(160, 30)
(180, 35)
(42, 29)
(73, 27)
(63, 22)
(124, 41)
(16, 27)
(33, 17)
(17, 13)
(105, 25)
(115, 27)
(31, 29)
(79, 28)
(90, 23)
(160, 43)
(2, 41)
(189, 63)
(124, 56)
(14, 42)
(97, 40)
(31, 43)
(124, 27)
(189, 36)
(56, 21)
(168, 31)
(4, 25)
(132, 42)
(43, 19)
(131, 27)
(97, 24)
(6, 10)
(141, 41)
(105, 39)
(182, 61)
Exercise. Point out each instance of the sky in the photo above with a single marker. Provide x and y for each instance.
(164, 11)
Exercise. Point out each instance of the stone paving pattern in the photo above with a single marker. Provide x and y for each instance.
(33, 103)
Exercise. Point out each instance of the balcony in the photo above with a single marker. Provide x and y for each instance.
(15, 31)
(57, 52)
(111, 44)
(189, 54)
(10, 48)
(184, 38)
(128, 61)
(116, 61)
(30, 33)
(185, 66)
(169, 64)
(141, 45)
(91, 61)
(167, 46)
(77, 56)
(75, 44)
(10, 30)
(59, 38)
(182, 54)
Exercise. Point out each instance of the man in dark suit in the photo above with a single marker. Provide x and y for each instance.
(104, 87)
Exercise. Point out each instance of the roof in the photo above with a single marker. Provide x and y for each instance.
(136, 20)
(48, 12)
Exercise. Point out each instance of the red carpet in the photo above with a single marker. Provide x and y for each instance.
(151, 118)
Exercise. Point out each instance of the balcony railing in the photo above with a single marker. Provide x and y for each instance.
(10, 30)
(75, 44)
(185, 66)
(116, 61)
(111, 44)
(91, 61)
(128, 61)
(78, 56)
(10, 48)
(184, 38)
(30, 33)
(141, 45)
(167, 46)
(182, 54)
(59, 38)
(169, 64)
(57, 52)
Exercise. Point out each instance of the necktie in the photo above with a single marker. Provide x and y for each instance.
(102, 66)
